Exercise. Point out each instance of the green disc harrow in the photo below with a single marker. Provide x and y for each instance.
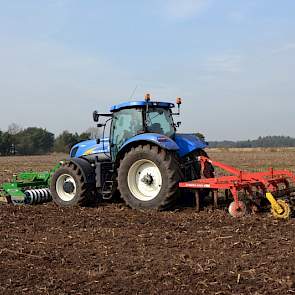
(28, 188)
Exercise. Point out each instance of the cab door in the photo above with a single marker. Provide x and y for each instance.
(126, 124)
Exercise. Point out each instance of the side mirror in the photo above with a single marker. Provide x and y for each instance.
(98, 141)
(95, 116)
(178, 124)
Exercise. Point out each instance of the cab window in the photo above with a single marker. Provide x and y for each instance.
(126, 124)
(160, 121)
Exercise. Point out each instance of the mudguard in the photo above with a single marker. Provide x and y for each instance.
(188, 143)
(158, 139)
(86, 169)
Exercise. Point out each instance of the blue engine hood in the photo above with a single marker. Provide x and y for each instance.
(90, 147)
(188, 143)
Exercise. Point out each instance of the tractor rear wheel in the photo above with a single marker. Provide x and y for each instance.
(67, 187)
(148, 178)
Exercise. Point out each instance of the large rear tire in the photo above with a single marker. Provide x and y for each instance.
(67, 187)
(148, 178)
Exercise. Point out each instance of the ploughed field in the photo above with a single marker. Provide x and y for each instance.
(112, 249)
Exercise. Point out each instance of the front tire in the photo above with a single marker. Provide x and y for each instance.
(148, 178)
(67, 187)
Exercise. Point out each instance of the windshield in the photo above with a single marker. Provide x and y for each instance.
(160, 121)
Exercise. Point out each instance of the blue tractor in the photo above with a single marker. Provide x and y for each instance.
(143, 159)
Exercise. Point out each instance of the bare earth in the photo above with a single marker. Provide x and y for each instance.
(112, 249)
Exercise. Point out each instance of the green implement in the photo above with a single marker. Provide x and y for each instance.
(28, 187)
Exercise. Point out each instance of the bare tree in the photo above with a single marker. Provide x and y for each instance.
(14, 128)
(94, 132)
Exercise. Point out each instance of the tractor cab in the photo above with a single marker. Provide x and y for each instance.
(137, 118)
(135, 122)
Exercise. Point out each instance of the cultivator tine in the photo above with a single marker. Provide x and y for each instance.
(197, 199)
(215, 199)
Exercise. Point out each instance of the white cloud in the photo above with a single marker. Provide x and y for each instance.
(183, 9)
(230, 63)
(286, 47)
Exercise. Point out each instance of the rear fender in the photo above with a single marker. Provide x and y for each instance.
(189, 143)
(160, 140)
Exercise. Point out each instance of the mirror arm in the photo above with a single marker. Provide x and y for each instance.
(96, 116)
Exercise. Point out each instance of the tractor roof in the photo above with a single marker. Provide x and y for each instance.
(138, 104)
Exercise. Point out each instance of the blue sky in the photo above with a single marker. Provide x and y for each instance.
(233, 62)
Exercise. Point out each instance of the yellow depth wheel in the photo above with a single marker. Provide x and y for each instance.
(285, 210)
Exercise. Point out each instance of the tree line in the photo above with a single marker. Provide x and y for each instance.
(38, 141)
(266, 141)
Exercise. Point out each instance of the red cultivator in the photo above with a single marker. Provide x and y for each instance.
(256, 187)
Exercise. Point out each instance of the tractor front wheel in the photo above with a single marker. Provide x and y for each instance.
(68, 188)
(148, 178)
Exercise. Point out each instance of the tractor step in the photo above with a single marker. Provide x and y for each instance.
(107, 190)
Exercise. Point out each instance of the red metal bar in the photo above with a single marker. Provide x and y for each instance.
(271, 173)
(268, 180)
(223, 166)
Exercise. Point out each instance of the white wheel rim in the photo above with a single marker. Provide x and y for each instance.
(66, 197)
(136, 175)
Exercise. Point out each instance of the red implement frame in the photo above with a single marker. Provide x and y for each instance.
(268, 181)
